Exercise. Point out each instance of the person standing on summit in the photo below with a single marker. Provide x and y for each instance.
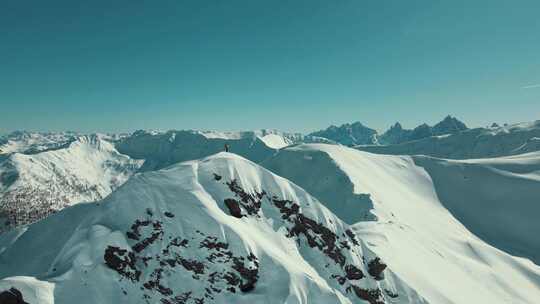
(227, 147)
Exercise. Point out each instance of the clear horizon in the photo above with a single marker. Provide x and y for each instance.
(245, 65)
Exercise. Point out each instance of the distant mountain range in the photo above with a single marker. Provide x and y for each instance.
(487, 142)
(359, 134)
(41, 173)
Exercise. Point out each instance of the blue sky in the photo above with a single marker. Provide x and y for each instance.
(292, 65)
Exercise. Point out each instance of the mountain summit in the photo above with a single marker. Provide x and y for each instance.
(217, 230)
(349, 134)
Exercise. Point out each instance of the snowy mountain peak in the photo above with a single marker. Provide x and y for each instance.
(229, 230)
(449, 125)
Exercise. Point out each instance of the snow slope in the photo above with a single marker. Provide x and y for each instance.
(414, 230)
(216, 230)
(33, 186)
(497, 199)
(473, 143)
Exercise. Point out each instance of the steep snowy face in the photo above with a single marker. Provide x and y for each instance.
(349, 134)
(218, 230)
(163, 149)
(34, 142)
(418, 209)
(471, 143)
(36, 185)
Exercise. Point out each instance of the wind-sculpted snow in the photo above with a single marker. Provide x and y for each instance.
(35, 186)
(418, 202)
(321, 176)
(169, 237)
(496, 199)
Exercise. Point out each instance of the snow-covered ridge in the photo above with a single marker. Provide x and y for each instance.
(163, 149)
(229, 230)
(32, 186)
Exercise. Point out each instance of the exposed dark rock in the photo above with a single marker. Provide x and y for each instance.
(250, 275)
(353, 273)
(192, 265)
(391, 294)
(168, 214)
(217, 177)
(317, 235)
(234, 207)
(351, 235)
(134, 233)
(211, 242)
(376, 268)
(250, 202)
(157, 233)
(155, 283)
(12, 296)
(373, 296)
(122, 262)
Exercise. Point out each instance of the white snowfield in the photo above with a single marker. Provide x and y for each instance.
(34, 185)
(170, 236)
(423, 243)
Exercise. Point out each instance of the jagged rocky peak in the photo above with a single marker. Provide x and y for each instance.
(396, 126)
(349, 134)
(449, 125)
(395, 135)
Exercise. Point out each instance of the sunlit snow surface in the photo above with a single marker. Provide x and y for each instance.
(415, 232)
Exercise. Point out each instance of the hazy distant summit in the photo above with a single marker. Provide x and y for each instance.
(396, 134)
(359, 134)
(349, 134)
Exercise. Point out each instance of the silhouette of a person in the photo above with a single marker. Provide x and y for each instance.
(227, 147)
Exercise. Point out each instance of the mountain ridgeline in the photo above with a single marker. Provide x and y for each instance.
(357, 134)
